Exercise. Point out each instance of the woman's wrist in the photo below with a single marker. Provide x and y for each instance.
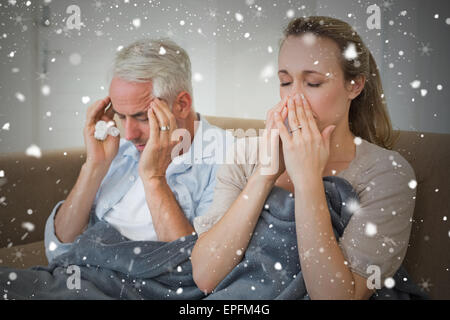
(306, 181)
(261, 176)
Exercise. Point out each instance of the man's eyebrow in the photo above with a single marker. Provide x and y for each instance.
(138, 114)
(304, 71)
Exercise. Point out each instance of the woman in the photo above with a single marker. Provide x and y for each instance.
(333, 102)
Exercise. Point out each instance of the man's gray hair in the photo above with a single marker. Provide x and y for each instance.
(161, 61)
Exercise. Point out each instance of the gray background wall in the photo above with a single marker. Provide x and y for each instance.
(235, 74)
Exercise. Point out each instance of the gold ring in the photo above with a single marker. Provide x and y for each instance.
(299, 127)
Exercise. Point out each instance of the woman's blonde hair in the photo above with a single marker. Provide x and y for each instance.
(368, 115)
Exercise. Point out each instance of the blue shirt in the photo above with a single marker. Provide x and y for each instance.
(190, 176)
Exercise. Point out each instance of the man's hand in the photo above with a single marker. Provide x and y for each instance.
(73, 215)
(156, 156)
(168, 218)
(99, 153)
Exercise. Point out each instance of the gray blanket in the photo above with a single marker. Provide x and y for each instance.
(105, 265)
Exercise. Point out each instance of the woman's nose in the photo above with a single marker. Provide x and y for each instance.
(296, 88)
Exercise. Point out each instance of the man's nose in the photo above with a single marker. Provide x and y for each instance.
(131, 130)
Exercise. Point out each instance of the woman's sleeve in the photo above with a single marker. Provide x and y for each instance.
(377, 235)
(231, 179)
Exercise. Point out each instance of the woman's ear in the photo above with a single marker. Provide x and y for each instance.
(182, 106)
(355, 86)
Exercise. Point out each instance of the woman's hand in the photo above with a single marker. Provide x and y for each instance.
(307, 150)
(271, 162)
(99, 153)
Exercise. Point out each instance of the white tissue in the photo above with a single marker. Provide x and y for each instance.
(102, 129)
(113, 131)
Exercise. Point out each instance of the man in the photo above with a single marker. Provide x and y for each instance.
(132, 183)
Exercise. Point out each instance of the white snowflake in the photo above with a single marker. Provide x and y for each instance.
(415, 84)
(136, 22)
(33, 151)
(20, 96)
(425, 49)
(85, 99)
(198, 77)
(350, 52)
(28, 226)
(425, 284)
(45, 90)
(290, 13)
(18, 254)
(412, 184)
(389, 283)
(370, 229)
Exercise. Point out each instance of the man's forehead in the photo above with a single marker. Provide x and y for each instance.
(122, 87)
(130, 98)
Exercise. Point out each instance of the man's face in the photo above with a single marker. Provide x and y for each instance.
(130, 101)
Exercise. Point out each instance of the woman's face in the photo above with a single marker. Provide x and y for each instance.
(310, 65)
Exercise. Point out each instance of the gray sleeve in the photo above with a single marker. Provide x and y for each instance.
(378, 232)
(231, 179)
(227, 190)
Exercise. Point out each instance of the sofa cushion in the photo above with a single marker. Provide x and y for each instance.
(29, 190)
(24, 256)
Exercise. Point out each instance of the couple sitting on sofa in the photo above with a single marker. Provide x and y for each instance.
(330, 171)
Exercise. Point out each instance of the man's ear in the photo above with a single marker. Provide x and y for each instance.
(182, 105)
(355, 86)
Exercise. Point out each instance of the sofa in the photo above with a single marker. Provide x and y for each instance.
(30, 187)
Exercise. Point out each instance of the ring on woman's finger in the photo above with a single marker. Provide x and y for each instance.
(164, 128)
(299, 127)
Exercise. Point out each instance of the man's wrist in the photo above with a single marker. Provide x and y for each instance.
(93, 171)
(154, 182)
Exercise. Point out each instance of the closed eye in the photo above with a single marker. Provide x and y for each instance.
(122, 117)
(313, 85)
